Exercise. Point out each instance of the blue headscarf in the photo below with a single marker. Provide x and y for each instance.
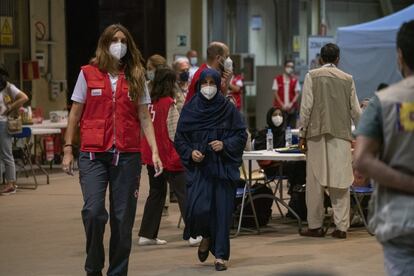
(203, 114)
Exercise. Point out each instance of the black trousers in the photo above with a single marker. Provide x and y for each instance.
(123, 180)
(291, 119)
(154, 205)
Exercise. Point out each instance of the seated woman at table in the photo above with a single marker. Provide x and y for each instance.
(11, 99)
(210, 139)
(294, 171)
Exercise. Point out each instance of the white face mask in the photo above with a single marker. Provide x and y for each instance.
(208, 92)
(118, 49)
(151, 75)
(193, 61)
(228, 64)
(277, 120)
(289, 70)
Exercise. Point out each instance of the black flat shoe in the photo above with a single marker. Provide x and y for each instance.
(220, 266)
(203, 255)
(338, 234)
(315, 233)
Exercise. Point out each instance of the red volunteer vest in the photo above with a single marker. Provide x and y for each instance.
(281, 91)
(108, 119)
(169, 157)
(237, 95)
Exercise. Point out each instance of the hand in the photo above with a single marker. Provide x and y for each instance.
(157, 164)
(67, 162)
(227, 75)
(197, 156)
(216, 145)
(302, 145)
(359, 179)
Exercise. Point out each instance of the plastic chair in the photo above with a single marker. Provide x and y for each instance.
(359, 194)
(22, 155)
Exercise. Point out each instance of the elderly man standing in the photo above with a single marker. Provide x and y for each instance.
(384, 152)
(181, 66)
(329, 103)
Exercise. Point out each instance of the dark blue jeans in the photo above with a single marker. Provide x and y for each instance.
(123, 180)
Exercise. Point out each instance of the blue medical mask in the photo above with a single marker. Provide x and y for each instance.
(193, 61)
(151, 75)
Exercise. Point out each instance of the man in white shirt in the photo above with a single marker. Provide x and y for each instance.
(193, 59)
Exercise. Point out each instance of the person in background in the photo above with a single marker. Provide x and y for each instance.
(364, 103)
(236, 89)
(329, 105)
(153, 63)
(218, 58)
(193, 59)
(11, 99)
(210, 139)
(381, 86)
(110, 108)
(165, 117)
(295, 171)
(384, 152)
(181, 67)
(286, 90)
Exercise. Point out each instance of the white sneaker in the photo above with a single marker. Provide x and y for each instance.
(146, 241)
(195, 242)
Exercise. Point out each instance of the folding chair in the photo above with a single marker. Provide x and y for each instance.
(359, 194)
(246, 191)
(22, 154)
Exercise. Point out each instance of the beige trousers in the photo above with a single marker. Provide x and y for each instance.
(340, 199)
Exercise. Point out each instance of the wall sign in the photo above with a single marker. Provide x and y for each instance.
(6, 31)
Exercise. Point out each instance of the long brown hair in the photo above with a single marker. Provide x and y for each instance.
(132, 61)
(163, 84)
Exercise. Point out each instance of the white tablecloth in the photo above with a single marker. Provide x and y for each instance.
(272, 155)
(49, 124)
(45, 131)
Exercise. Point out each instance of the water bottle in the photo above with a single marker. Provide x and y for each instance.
(269, 140)
(288, 137)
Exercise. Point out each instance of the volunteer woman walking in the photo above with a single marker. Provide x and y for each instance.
(210, 139)
(110, 102)
(164, 117)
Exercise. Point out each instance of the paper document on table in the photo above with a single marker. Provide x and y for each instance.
(291, 149)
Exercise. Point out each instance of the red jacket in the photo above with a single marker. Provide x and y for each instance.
(108, 119)
(281, 91)
(169, 157)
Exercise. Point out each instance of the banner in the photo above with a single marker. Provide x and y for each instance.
(315, 43)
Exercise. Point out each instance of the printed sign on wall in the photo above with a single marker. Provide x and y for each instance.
(315, 43)
(6, 31)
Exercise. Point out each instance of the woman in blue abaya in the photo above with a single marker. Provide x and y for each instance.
(210, 139)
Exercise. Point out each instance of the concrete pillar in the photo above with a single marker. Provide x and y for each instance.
(242, 26)
(218, 17)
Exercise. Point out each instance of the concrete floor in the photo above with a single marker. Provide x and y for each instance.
(42, 234)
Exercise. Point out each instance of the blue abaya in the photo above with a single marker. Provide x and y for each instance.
(210, 183)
